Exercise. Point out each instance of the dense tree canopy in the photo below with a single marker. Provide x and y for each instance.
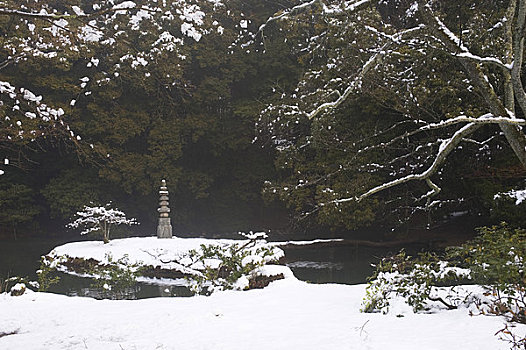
(396, 93)
(139, 91)
(235, 102)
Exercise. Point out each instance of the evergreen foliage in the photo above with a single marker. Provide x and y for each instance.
(197, 97)
(228, 267)
(18, 206)
(495, 259)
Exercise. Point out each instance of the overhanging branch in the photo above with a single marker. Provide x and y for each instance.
(356, 82)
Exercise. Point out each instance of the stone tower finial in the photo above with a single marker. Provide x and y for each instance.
(164, 229)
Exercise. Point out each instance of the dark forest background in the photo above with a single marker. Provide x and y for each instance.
(203, 133)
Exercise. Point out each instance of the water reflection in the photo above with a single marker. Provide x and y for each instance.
(343, 264)
(317, 265)
(82, 286)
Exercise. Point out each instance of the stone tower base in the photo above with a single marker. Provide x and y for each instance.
(164, 229)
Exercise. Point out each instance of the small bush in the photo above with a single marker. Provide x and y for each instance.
(46, 275)
(116, 279)
(227, 267)
(413, 278)
(495, 259)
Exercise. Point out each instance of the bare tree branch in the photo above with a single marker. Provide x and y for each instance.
(445, 149)
(515, 137)
(356, 82)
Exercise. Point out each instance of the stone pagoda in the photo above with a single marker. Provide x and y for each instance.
(164, 229)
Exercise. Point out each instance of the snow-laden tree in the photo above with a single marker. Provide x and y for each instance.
(93, 45)
(100, 219)
(445, 77)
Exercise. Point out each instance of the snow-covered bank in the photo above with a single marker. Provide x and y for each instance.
(190, 262)
(288, 314)
(165, 253)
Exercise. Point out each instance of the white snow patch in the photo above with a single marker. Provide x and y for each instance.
(78, 11)
(189, 30)
(288, 314)
(125, 5)
(518, 195)
(91, 33)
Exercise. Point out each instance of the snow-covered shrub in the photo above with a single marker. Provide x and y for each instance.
(18, 289)
(229, 266)
(8, 285)
(100, 219)
(45, 278)
(115, 279)
(416, 280)
(46, 275)
(497, 260)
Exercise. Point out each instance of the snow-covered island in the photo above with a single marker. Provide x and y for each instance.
(161, 261)
(287, 314)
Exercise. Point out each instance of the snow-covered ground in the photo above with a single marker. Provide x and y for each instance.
(288, 314)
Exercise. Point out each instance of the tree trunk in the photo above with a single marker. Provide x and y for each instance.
(14, 231)
(106, 232)
(517, 140)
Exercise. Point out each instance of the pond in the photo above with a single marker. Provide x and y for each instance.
(341, 264)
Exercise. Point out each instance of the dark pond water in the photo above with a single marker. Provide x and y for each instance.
(344, 264)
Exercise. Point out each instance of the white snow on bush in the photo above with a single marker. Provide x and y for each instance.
(518, 195)
(19, 287)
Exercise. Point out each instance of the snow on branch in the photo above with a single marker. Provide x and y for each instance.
(492, 60)
(91, 217)
(77, 13)
(518, 195)
(40, 15)
(285, 14)
(100, 219)
(483, 119)
(349, 7)
(26, 108)
(446, 147)
(41, 110)
(356, 83)
(465, 52)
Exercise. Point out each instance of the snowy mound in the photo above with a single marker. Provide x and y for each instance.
(170, 254)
